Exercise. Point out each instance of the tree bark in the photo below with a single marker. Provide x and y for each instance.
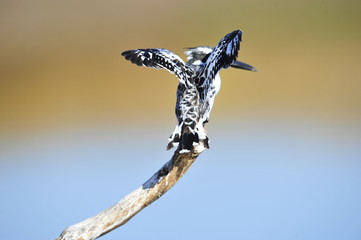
(164, 179)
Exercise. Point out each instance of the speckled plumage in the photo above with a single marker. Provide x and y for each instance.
(199, 83)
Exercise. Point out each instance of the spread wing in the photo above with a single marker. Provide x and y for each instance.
(160, 58)
(222, 56)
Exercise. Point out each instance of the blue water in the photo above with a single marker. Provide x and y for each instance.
(298, 180)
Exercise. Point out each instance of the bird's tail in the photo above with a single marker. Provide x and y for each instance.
(186, 137)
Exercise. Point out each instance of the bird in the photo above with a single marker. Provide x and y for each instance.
(198, 84)
(197, 56)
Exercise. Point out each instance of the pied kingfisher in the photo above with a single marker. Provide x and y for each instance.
(199, 83)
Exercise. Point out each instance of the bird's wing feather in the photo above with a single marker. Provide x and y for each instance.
(222, 56)
(160, 58)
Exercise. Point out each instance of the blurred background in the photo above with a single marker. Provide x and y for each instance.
(80, 127)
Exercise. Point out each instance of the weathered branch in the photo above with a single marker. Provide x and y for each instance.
(134, 202)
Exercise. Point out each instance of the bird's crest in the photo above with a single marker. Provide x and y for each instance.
(198, 55)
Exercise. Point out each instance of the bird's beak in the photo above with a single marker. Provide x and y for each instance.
(244, 66)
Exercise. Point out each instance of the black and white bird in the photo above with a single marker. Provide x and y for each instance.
(199, 83)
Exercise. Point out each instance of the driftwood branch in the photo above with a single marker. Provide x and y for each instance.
(164, 179)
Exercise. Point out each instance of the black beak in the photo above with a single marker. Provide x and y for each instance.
(244, 66)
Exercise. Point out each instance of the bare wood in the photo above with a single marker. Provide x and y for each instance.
(164, 179)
